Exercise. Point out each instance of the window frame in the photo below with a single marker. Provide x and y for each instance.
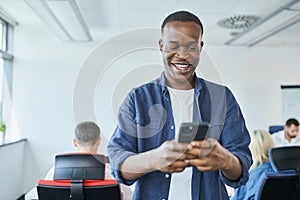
(7, 76)
(5, 52)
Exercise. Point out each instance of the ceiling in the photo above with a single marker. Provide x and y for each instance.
(107, 17)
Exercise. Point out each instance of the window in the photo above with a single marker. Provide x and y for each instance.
(6, 60)
(1, 84)
(1, 35)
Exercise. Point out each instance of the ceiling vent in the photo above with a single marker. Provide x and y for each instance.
(238, 21)
(271, 24)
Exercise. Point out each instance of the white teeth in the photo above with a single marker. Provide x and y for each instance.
(181, 65)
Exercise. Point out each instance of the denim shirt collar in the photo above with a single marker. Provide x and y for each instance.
(162, 82)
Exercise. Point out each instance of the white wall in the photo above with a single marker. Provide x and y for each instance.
(255, 75)
(11, 170)
(45, 71)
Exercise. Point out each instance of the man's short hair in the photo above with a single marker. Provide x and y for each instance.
(182, 16)
(291, 122)
(87, 133)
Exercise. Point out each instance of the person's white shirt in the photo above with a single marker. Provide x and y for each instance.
(182, 102)
(32, 194)
(280, 140)
(125, 190)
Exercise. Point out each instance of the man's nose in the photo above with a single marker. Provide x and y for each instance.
(182, 53)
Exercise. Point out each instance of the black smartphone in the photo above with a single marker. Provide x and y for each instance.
(192, 131)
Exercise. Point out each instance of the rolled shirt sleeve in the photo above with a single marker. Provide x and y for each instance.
(123, 141)
(118, 155)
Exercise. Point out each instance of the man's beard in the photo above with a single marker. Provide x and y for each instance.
(291, 136)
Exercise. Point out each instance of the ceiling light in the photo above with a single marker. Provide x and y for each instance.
(63, 17)
(275, 22)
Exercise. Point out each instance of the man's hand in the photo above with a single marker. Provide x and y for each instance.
(170, 157)
(209, 155)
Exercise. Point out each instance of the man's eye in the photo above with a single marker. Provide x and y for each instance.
(173, 47)
(193, 48)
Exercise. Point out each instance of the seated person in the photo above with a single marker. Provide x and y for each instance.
(87, 139)
(261, 142)
(289, 136)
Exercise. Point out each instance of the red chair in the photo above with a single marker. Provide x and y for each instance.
(79, 176)
(89, 190)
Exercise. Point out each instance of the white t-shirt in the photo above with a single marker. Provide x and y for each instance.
(280, 140)
(182, 102)
(125, 190)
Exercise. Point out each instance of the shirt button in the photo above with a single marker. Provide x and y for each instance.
(167, 175)
(172, 127)
(163, 199)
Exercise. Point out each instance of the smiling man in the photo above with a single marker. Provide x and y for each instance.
(144, 147)
(180, 46)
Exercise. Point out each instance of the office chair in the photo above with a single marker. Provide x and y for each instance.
(79, 176)
(285, 158)
(90, 190)
(77, 166)
(284, 183)
(279, 186)
(275, 128)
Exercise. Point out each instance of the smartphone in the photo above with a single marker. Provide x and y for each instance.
(192, 131)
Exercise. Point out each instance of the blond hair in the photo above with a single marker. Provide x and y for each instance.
(261, 142)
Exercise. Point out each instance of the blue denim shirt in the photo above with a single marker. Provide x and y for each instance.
(145, 121)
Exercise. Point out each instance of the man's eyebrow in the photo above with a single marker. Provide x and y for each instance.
(176, 42)
(193, 42)
(172, 41)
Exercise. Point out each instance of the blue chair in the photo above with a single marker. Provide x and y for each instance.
(285, 158)
(279, 186)
(275, 128)
(284, 183)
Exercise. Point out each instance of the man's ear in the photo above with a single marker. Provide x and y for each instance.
(160, 44)
(98, 141)
(75, 142)
(201, 44)
(286, 128)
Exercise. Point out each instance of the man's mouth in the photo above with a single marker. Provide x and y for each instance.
(183, 68)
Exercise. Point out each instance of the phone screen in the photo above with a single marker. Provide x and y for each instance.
(192, 131)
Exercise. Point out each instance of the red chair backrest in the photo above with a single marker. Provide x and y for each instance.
(91, 190)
